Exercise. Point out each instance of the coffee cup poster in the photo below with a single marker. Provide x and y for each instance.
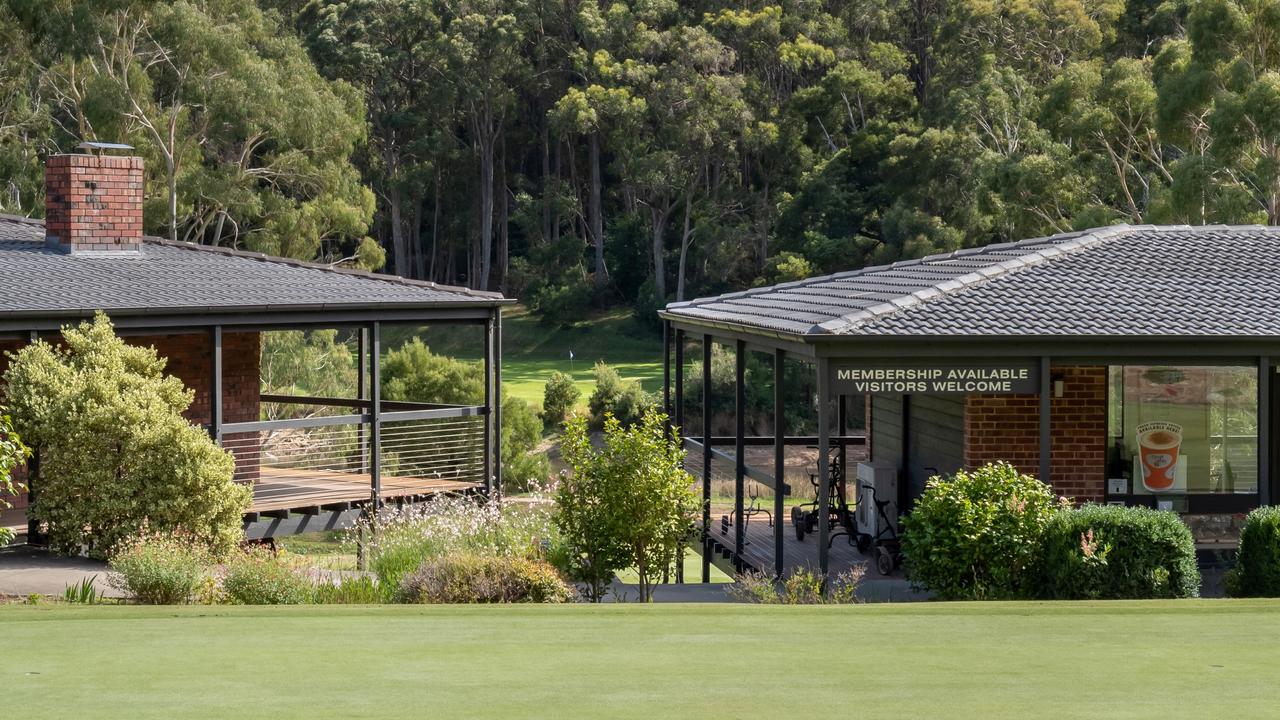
(1159, 455)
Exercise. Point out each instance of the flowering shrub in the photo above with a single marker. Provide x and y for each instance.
(258, 576)
(161, 569)
(976, 535)
(403, 539)
(468, 578)
(351, 590)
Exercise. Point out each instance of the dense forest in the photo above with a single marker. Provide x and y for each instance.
(580, 153)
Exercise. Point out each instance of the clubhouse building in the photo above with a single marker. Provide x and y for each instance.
(1128, 364)
(314, 463)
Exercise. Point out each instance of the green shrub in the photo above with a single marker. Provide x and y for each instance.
(626, 401)
(976, 535)
(258, 576)
(523, 468)
(1099, 551)
(629, 503)
(1257, 570)
(604, 397)
(116, 454)
(160, 569)
(12, 454)
(469, 578)
(559, 397)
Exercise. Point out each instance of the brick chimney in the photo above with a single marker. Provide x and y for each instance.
(93, 202)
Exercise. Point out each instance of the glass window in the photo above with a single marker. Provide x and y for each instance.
(1184, 429)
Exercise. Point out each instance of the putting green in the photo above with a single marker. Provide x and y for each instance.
(1007, 660)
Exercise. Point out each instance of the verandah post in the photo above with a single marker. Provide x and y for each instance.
(678, 413)
(779, 460)
(497, 401)
(215, 383)
(1046, 436)
(706, 458)
(824, 466)
(375, 420)
(739, 452)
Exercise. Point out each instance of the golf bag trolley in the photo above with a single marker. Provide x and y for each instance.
(804, 517)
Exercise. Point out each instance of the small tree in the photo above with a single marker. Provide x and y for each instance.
(559, 397)
(628, 504)
(608, 389)
(117, 456)
(12, 454)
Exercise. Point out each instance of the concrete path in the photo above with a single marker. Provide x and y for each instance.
(25, 570)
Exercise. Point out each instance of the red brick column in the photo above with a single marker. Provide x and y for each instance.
(1007, 427)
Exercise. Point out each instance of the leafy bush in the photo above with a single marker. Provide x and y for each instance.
(628, 504)
(523, 468)
(12, 454)
(116, 453)
(559, 397)
(161, 568)
(470, 578)
(801, 587)
(1257, 570)
(562, 301)
(413, 373)
(1098, 551)
(604, 397)
(976, 535)
(258, 576)
(626, 401)
(448, 525)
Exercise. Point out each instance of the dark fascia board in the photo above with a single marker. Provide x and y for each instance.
(758, 339)
(256, 319)
(1099, 349)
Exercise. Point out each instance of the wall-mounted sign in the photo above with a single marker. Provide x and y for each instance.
(946, 378)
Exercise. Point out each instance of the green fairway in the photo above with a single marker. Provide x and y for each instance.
(1012, 660)
(531, 351)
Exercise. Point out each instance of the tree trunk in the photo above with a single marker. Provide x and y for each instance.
(397, 231)
(483, 262)
(686, 239)
(418, 252)
(504, 221)
(659, 215)
(595, 212)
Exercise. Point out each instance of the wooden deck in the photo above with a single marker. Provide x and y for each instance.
(758, 552)
(287, 489)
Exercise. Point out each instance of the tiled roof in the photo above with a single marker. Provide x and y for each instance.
(1118, 281)
(180, 277)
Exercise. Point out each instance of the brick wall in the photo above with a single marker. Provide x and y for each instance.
(1007, 427)
(93, 203)
(190, 360)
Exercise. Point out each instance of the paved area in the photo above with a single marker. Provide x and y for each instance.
(26, 570)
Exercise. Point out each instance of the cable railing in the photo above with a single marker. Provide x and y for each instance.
(318, 452)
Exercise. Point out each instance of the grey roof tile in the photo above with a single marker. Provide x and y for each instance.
(1115, 281)
(177, 277)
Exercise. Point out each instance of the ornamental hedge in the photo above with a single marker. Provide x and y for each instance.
(1257, 570)
(1108, 552)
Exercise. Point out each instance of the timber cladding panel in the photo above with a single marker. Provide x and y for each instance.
(190, 359)
(1007, 427)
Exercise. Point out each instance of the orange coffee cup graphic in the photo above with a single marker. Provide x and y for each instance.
(1158, 445)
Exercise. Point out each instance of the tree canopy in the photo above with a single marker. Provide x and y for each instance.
(639, 152)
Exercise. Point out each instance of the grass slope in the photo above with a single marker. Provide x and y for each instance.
(531, 351)
(996, 660)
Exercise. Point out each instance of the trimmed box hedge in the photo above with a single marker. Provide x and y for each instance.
(1257, 570)
(1110, 552)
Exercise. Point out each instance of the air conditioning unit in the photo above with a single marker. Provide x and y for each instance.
(876, 481)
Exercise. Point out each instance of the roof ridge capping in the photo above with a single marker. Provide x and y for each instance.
(1060, 245)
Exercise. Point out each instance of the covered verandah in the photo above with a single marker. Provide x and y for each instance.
(1046, 353)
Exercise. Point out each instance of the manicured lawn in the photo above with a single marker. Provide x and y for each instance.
(1192, 659)
(532, 350)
